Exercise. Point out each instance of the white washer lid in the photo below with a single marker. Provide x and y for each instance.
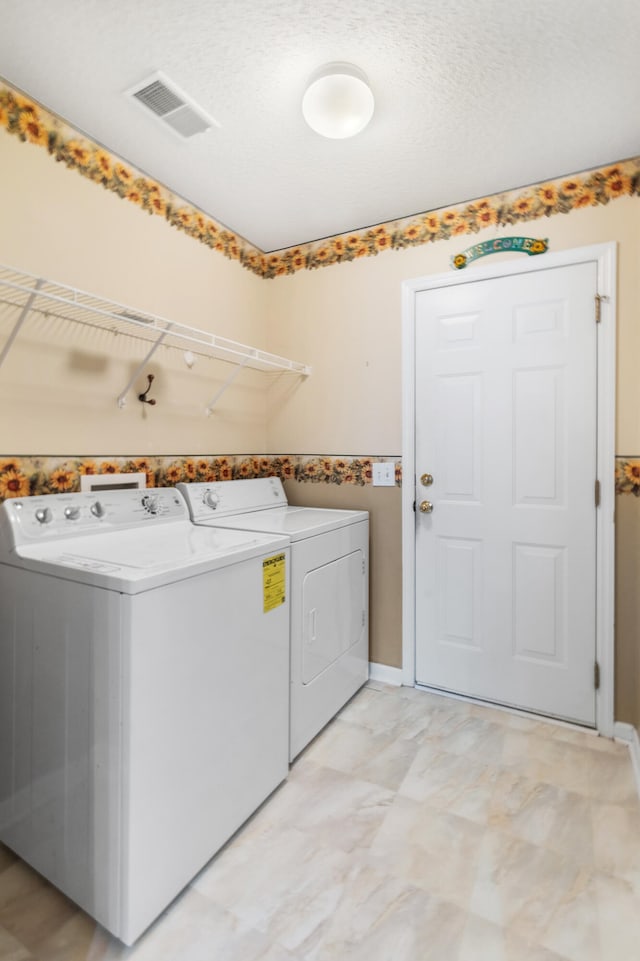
(294, 522)
(131, 561)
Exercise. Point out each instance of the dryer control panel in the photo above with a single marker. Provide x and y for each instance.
(225, 498)
(46, 517)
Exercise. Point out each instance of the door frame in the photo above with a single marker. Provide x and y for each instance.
(605, 257)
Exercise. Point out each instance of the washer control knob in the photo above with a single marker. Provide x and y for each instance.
(72, 513)
(43, 515)
(97, 509)
(211, 499)
(150, 504)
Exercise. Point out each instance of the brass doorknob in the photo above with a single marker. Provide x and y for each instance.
(426, 480)
(426, 507)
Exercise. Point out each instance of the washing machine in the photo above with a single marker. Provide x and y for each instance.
(144, 684)
(329, 590)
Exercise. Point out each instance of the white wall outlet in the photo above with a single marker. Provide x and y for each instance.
(384, 475)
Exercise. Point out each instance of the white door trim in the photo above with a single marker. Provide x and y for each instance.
(604, 255)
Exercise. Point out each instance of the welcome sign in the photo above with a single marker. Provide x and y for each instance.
(525, 245)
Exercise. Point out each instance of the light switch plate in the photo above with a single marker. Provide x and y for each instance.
(384, 475)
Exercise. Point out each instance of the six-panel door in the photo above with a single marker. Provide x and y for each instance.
(506, 409)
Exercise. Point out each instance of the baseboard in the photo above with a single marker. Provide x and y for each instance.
(629, 734)
(385, 674)
(635, 756)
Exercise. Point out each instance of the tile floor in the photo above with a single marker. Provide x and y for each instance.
(414, 828)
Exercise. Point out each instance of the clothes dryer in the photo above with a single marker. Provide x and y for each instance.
(144, 680)
(329, 590)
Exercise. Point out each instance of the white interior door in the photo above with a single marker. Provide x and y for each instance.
(505, 422)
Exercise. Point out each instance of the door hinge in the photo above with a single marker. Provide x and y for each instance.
(364, 568)
(596, 675)
(414, 507)
(599, 299)
(597, 493)
(363, 618)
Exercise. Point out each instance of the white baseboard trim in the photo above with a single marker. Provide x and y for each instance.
(623, 732)
(629, 734)
(385, 674)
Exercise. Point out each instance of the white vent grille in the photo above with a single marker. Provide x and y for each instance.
(171, 106)
(158, 98)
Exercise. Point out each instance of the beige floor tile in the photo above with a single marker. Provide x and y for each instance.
(196, 929)
(414, 828)
(17, 881)
(616, 834)
(382, 918)
(283, 882)
(338, 809)
(544, 814)
(78, 939)
(573, 929)
(451, 782)
(611, 778)
(13, 950)
(484, 941)
(541, 757)
(388, 714)
(518, 885)
(34, 919)
(475, 737)
(590, 740)
(369, 756)
(618, 907)
(379, 686)
(519, 950)
(431, 849)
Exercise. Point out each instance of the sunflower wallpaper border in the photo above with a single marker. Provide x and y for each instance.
(22, 476)
(24, 118)
(25, 476)
(628, 475)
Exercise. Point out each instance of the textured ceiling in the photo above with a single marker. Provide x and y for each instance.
(472, 98)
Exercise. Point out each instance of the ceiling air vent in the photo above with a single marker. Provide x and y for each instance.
(171, 106)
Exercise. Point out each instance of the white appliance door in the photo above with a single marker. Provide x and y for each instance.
(333, 604)
(506, 407)
(329, 627)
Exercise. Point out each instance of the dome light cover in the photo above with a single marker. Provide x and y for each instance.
(338, 101)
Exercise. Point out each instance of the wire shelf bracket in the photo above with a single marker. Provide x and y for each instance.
(24, 313)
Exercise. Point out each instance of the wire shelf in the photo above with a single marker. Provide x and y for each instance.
(28, 293)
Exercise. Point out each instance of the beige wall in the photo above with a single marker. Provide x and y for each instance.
(58, 386)
(628, 609)
(346, 321)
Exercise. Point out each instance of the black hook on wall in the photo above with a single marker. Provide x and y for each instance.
(143, 397)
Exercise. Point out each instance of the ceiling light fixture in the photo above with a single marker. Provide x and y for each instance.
(338, 101)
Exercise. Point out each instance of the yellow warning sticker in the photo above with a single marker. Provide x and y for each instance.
(273, 581)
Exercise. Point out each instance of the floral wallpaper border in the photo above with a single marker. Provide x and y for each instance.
(32, 123)
(628, 475)
(24, 476)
